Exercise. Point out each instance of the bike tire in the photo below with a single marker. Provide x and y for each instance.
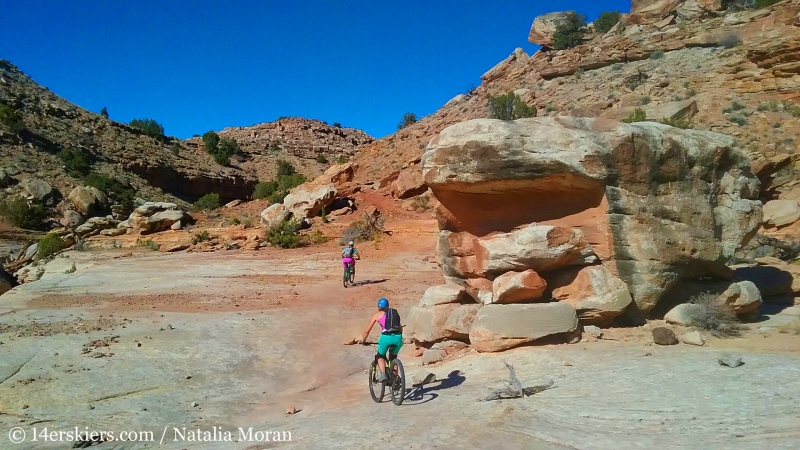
(352, 276)
(398, 388)
(345, 277)
(377, 397)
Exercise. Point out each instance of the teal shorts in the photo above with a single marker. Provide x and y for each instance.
(389, 339)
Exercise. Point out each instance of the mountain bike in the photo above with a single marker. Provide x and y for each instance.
(395, 378)
(349, 274)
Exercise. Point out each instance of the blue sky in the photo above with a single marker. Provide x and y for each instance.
(205, 65)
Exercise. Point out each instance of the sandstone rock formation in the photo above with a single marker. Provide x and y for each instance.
(545, 26)
(88, 200)
(742, 297)
(518, 287)
(682, 314)
(654, 204)
(596, 294)
(778, 213)
(443, 294)
(155, 216)
(500, 327)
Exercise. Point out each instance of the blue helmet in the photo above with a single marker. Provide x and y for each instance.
(383, 303)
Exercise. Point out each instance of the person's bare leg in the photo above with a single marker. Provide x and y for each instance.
(381, 365)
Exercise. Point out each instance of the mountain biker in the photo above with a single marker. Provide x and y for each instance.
(347, 256)
(391, 334)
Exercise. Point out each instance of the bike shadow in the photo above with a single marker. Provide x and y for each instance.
(425, 393)
(366, 282)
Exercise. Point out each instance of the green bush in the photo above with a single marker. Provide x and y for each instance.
(277, 197)
(644, 100)
(606, 21)
(658, 54)
(104, 112)
(210, 141)
(220, 149)
(408, 119)
(202, 236)
(285, 234)
(49, 246)
(737, 105)
(321, 159)
(285, 168)
(264, 189)
(19, 213)
(758, 4)
(341, 159)
(678, 122)
(150, 127)
(121, 194)
(75, 161)
(337, 125)
(638, 115)
(570, 33)
(316, 237)
(11, 119)
(208, 202)
(509, 107)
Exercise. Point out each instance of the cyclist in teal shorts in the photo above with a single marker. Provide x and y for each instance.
(391, 333)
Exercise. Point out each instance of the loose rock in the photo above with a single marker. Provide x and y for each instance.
(664, 336)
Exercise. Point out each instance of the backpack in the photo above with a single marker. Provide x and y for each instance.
(348, 252)
(392, 322)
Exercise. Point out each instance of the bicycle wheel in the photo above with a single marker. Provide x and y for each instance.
(352, 274)
(398, 389)
(376, 388)
(346, 276)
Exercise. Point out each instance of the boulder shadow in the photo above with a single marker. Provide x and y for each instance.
(426, 393)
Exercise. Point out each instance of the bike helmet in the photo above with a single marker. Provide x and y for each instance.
(351, 243)
(383, 303)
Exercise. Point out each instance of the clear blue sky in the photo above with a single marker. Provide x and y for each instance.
(201, 65)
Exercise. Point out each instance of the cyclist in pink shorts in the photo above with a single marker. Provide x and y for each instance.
(348, 255)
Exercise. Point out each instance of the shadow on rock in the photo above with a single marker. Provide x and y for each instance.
(424, 394)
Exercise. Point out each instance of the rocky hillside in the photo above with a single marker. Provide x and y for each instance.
(730, 71)
(173, 169)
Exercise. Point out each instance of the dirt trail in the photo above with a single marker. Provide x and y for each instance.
(231, 339)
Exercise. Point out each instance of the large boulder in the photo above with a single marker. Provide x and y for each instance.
(7, 282)
(596, 294)
(409, 183)
(40, 191)
(274, 214)
(655, 204)
(742, 297)
(153, 217)
(88, 200)
(72, 219)
(460, 321)
(426, 324)
(518, 287)
(500, 327)
(544, 27)
(443, 294)
(646, 12)
(95, 225)
(778, 213)
(307, 200)
(682, 314)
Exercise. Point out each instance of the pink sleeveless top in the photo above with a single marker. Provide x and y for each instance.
(382, 322)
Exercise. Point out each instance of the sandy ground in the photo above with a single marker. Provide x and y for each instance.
(141, 340)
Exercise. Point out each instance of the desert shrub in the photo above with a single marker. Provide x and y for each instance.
(578, 74)
(691, 93)
(81, 245)
(20, 213)
(248, 221)
(150, 127)
(277, 197)
(321, 159)
(790, 327)
(658, 54)
(570, 33)
(606, 21)
(617, 67)
(210, 141)
(285, 168)
(264, 189)
(121, 194)
(285, 234)
(208, 202)
(337, 125)
(739, 118)
(792, 109)
(421, 202)
(176, 148)
(644, 100)
(75, 161)
(509, 107)
(408, 119)
(316, 237)
(758, 4)
(72, 269)
(737, 105)
(341, 159)
(323, 215)
(152, 245)
(727, 109)
(730, 41)
(202, 236)
(11, 119)
(776, 125)
(769, 106)
(638, 115)
(713, 316)
(104, 112)
(49, 246)
(678, 122)
(367, 229)
(550, 107)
